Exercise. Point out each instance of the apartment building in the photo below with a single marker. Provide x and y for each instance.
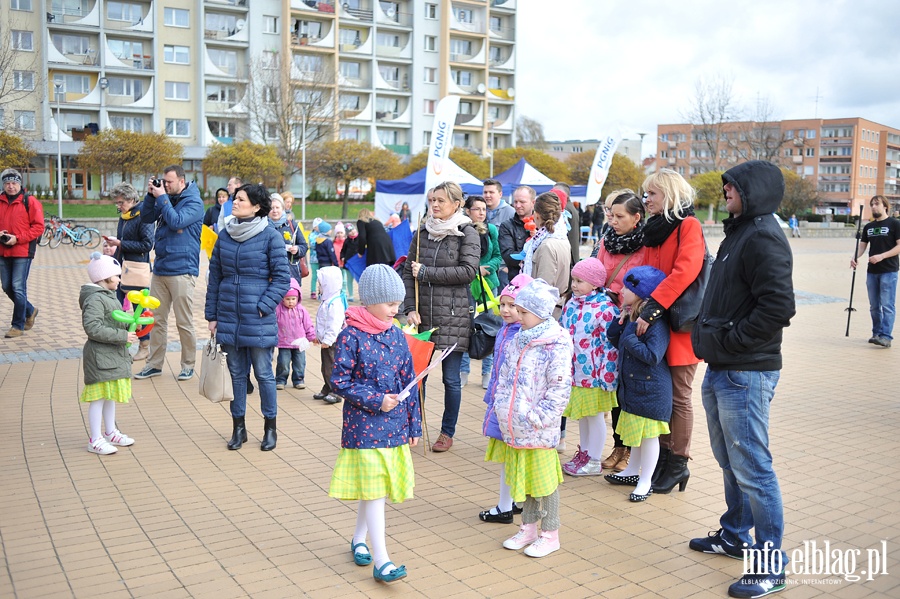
(849, 159)
(215, 71)
(562, 150)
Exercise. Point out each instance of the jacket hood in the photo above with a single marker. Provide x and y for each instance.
(761, 185)
(331, 280)
(296, 285)
(89, 289)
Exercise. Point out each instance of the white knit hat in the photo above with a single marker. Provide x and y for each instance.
(539, 298)
(103, 267)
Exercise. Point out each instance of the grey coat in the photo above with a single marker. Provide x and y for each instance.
(451, 265)
(104, 357)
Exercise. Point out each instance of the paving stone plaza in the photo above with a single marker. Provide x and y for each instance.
(177, 515)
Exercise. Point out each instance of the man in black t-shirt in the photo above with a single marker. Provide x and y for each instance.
(883, 233)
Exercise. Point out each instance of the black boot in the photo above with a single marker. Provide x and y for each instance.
(660, 464)
(239, 434)
(676, 473)
(269, 435)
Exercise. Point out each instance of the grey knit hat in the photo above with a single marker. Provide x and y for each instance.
(380, 284)
(539, 298)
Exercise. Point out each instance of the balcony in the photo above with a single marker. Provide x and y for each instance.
(503, 4)
(238, 5)
(403, 149)
(356, 14)
(71, 15)
(391, 16)
(844, 141)
(324, 6)
(502, 34)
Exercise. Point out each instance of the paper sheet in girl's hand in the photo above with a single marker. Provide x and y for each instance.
(302, 343)
(405, 393)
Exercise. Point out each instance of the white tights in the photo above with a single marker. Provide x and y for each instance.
(101, 409)
(643, 461)
(370, 519)
(593, 435)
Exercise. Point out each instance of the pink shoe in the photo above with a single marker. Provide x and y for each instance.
(578, 460)
(545, 545)
(527, 535)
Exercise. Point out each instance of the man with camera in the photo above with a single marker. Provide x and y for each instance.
(21, 225)
(177, 210)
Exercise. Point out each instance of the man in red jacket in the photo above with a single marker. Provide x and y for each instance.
(21, 224)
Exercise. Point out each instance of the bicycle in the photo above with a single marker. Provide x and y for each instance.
(78, 235)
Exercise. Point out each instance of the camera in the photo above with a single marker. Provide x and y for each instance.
(157, 182)
(4, 239)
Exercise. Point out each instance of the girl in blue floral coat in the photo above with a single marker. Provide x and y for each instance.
(372, 365)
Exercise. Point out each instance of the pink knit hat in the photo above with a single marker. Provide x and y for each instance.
(103, 267)
(518, 282)
(592, 271)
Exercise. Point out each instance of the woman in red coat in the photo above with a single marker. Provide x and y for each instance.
(674, 244)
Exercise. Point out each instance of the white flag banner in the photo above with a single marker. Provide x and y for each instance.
(600, 168)
(438, 169)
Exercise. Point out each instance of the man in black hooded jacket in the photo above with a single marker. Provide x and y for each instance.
(748, 302)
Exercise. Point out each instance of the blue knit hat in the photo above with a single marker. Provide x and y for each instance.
(323, 227)
(380, 284)
(643, 280)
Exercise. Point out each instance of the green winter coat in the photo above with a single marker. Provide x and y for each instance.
(105, 357)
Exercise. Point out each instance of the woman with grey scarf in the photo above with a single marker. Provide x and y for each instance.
(248, 278)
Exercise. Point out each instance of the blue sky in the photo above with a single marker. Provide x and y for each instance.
(582, 64)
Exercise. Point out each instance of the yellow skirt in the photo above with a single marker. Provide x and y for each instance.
(633, 429)
(373, 474)
(534, 472)
(496, 451)
(588, 401)
(118, 390)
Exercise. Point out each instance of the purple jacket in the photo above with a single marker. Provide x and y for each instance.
(491, 427)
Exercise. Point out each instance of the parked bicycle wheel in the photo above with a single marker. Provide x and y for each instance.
(89, 238)
(58, 238)
(46, 236)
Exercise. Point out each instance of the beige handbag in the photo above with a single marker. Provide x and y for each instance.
(135, 274)
(215, 379)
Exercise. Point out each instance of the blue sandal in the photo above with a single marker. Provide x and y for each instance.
(396, 574)
(361, 559)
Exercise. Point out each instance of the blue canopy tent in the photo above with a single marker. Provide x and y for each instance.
(390, 195)
(522, 173)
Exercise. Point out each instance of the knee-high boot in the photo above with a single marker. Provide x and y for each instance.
(238, 434)
(269, 435)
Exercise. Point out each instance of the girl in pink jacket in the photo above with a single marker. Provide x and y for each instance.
(294, 327)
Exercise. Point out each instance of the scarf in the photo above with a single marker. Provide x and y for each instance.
(657, 229)
(524, 337)
(136, 211)
(540, 236)
(438, 229)
(280, 222)
(627, 243)
(242, 230)
(362, 319)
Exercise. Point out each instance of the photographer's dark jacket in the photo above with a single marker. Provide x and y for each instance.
(750, 295)
(179, 219)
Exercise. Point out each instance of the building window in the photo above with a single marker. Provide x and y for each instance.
(464, 108)
(23, 80)
(463, 15)
(124, 50)
(787, 152)
(389, 137)
(350, 37)
(178, 127)
(460, 49)
(75, 84)
(125, 11)
(308, 29)
(389, 40)
(426, 138)
(225, 60)
(223, 128)
(431, 11)
(390, 74)
(462, 140)
(270, 24)
(681, 170)
(20, 5)
(127, 123)
(350, 70)
(430, 43)
(494, 83)
(177, 17)
(496, 24)
(177, 54)
(23, 40)
(226, 24)
(682, 154)
(350, 133)
(811, 134)
(119, 86)
(461, 77)
(493, 114)
(305, 96)
(24, 120)
(349, 102)
(271, 131)
(221, 93)
(307, 63)
(810, 152)
(496, 54)
(429, 106)
(430, 75)
(177, 90)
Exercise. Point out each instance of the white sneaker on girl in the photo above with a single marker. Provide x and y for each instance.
(101, 446)
(118, 438)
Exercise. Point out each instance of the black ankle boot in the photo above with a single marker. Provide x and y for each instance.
(660, 464)
(676, 473)
(269, 435)
(239, 434)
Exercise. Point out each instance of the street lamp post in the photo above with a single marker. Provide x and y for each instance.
(491, 144)
(303, 160)
(59, 209)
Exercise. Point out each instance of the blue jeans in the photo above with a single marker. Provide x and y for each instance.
(239, 361)
(452, 392)
(14, 278)
(882, 290)
(288, 357)
(737, 413)
(486, 364)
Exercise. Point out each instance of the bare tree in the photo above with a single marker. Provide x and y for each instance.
(20, 75)
(289, 105)
(760, 138)
(530, 132)
(712, 111)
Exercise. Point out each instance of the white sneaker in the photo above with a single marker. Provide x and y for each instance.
(485, 379)
(118, 438)
(546, 544)
(101, 446)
